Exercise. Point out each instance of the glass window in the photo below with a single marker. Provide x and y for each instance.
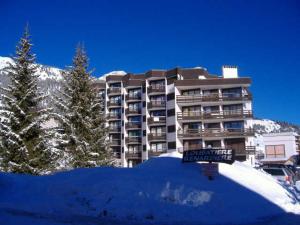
(275, 151)
(158, 113)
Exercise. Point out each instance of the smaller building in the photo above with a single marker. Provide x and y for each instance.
(280, 147)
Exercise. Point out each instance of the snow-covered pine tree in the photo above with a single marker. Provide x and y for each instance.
(24, 147)
(81, 115)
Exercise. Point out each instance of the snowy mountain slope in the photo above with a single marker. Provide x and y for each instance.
(269, 126)
(160, 191)
(44, 72)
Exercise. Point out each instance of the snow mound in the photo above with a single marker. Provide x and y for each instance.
(162, 190)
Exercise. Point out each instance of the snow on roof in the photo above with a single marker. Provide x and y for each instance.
(163, 189)
(112, 73)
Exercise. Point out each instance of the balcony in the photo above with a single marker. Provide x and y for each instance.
(187, 99)
(156, 137)
(156, 104)
(158, 89)
(133, 111)
(114, 103)
(133, 125)
(133, 154)
(133, 140)
(114, 129)
(157, 152)
(227, 114)
(115, 142)
(215, 132)
(114, 116)
(156, 120)
(114, 91)
(133, 98)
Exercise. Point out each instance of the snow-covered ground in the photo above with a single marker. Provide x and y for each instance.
(159, 191)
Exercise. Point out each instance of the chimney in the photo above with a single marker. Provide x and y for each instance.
(230, 72)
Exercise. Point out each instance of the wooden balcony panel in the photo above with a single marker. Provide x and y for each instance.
(133, 155)
(152, 153)
(210, 98)
(131, 125)
(133, 97)
(157, 104)
(133, 111)
(114, 90)
(156, 120)
(156, 89)
(216, 132)
(133, 140)
(157, 137)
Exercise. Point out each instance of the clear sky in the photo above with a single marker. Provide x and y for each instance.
(261, 37)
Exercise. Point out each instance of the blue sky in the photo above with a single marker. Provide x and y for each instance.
(261, 37)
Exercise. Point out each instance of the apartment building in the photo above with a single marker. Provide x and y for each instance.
(177, 110)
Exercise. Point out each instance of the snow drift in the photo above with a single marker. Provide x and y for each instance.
(160, 191)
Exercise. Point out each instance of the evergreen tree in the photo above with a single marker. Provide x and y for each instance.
(24, 147)
(80, 111)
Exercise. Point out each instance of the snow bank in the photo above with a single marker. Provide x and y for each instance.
(160, 191)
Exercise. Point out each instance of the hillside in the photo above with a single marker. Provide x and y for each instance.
(160, 191)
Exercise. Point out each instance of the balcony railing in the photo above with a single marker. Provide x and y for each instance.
(157, 120)
(133, 154)
(133, 140)
(156, 137)
(133, 125)
(113, 103)
(157, 152)
(133, 97)
(114, 90)
(115, 142)
(132, 111)
(156, 89)
(156, 104)
(116, 129)
(212, 98)
(113, 116)
(226, 114)
(214, 132)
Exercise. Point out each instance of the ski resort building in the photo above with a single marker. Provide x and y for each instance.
(177, 110)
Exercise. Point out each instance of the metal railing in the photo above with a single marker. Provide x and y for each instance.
(157, 104)
(211, 98)
(225, 114)
(157, 137)
(214, 132)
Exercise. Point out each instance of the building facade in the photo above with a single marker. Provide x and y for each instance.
(177, 110)
(280, 147)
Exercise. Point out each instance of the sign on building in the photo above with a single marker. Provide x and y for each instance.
(209, 155)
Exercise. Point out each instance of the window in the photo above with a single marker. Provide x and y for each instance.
(158, 130)
(275, 151)
(134, 106)
(115, 99)
(157, 83)
(134, 92)
(210, 109)
(133, 148)
(192, 126)
(236, 125)
(232, 92)
(157, 98)
(158, 113)
(236, 107)
(115, 85)
(210, 92)
(191, 92)
(134, 119)
(158, 147)
(134, 133)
